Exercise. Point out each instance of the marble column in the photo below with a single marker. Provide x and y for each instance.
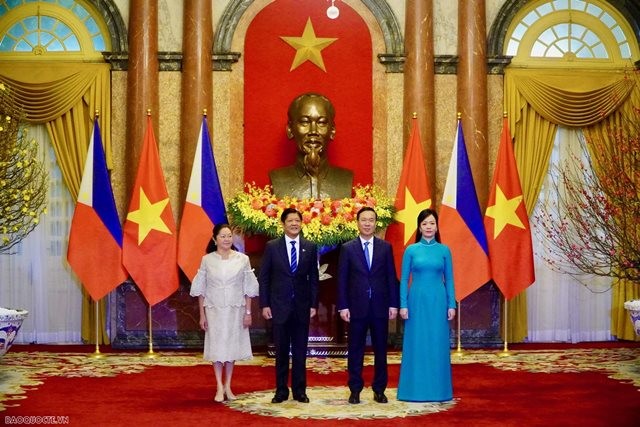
(419, 80)
(472, 90)
(142, 80)
(479, 312)
(197, 42)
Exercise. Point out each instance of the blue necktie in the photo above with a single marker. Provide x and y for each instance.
(366, 254)
(294, 257)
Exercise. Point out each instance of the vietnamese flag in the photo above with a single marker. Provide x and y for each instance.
(460, 223)
(507, 224)
(413, 195)
(149, 246)
(203, 208)
(95, 237)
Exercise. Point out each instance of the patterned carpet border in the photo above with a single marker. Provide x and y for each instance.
(330, 403)
(23, 371)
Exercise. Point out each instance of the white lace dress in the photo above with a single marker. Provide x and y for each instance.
(224, 283)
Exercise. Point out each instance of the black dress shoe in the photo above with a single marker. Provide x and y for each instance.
(302, 398)
(278, 398)
(380, 397)
(354, 397)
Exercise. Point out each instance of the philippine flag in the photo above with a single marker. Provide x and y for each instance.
(461, 223)
(95, 238)
(203, 208)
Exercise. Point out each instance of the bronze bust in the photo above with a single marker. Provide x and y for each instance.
(311, 125)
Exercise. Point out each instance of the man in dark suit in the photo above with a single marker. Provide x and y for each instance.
(289, 296)
(368, 297)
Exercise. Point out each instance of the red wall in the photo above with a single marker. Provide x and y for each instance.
(270, 86)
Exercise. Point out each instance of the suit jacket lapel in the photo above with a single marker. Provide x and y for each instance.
(376, 251)
(302, 252)
(284, 251)
(360, 248)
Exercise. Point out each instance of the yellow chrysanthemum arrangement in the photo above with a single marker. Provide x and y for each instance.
(257, 210)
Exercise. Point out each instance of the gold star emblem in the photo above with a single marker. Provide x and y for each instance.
(148, 216)
(503, 212)
(409, 213)
(308, 47)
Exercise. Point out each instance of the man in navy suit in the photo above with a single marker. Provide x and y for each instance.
(368, 297)
(289, 296)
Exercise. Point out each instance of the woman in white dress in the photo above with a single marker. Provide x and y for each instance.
(224, 285)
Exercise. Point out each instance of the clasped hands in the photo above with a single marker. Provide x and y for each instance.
(345, 314)
(404, 313)
(266, 313)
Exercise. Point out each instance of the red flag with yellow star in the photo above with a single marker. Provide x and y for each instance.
(149, 243)
(507, 224)
(413, 195)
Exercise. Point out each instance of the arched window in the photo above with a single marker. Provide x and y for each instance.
(57, 29)
(36, 36)
(570, 33)
(575, 47)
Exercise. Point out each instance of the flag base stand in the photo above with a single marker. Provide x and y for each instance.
(96, 354)
(458, 352)
(505, 351)
(150, 354)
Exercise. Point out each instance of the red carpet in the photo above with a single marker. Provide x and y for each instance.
(594, 387)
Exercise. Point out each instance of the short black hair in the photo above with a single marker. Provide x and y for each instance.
(288, 211)
(367, 209)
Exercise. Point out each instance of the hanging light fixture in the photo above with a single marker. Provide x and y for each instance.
(332, 11)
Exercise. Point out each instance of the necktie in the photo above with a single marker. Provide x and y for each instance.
(366, 254)
(294, 257)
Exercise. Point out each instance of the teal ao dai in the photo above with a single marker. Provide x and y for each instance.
(426, 289)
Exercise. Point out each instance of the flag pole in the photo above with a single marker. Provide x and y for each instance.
(505, 350)
(96, 354)
(150, 354)
(458, 351)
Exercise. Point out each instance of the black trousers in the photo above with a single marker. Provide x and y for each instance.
(291, 336)
(379, 330)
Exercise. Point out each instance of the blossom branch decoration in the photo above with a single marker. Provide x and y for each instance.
(256, 210)
(23, 179)
(591, 225)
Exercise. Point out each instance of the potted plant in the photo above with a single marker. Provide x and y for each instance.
(23, 191)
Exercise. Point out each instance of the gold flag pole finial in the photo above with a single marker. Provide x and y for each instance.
(504, 114)
(97, 114)
(148, 111)
(415, 115)
(204, 112)
(459, 115)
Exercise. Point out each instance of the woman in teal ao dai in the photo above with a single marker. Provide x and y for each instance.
(427, 305)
